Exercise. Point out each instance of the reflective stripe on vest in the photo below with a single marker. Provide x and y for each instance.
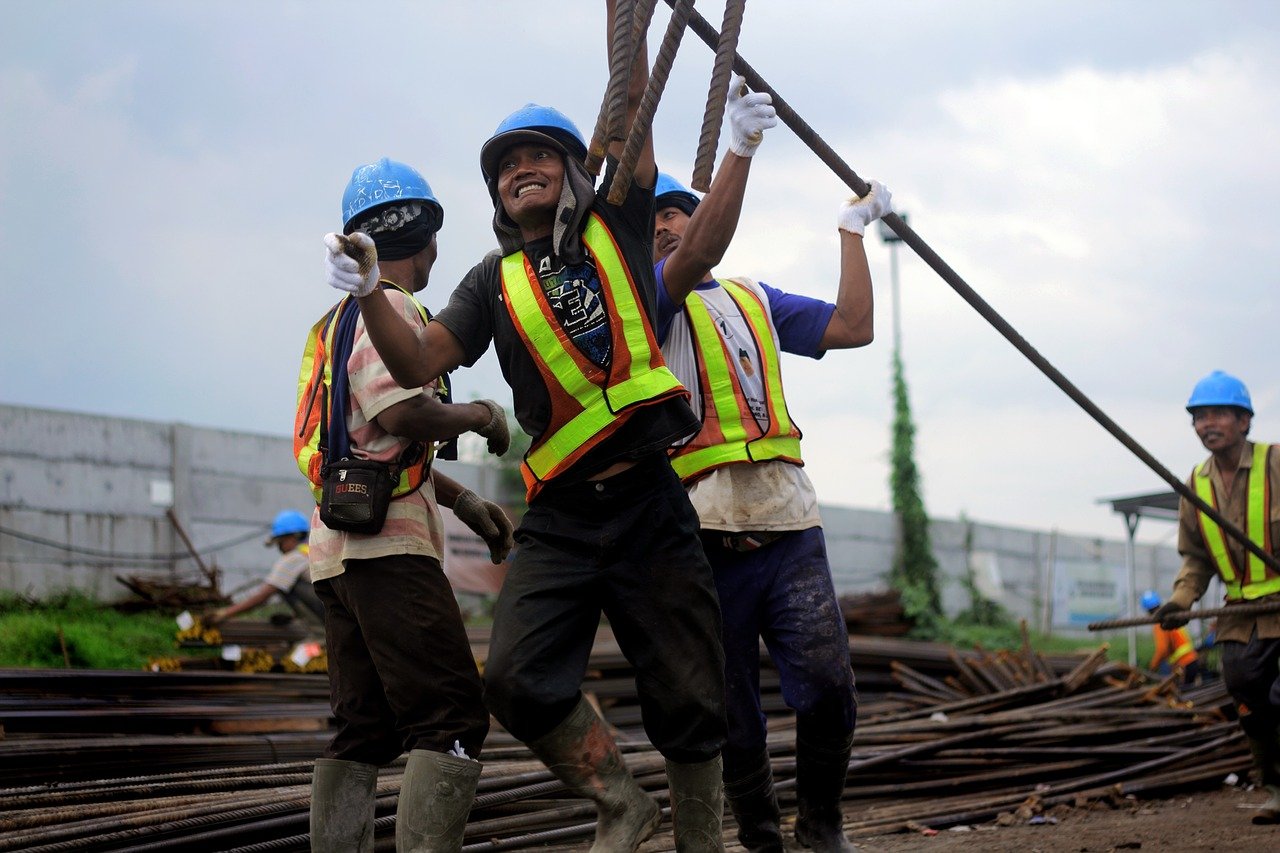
(315, 378)
(588, 403)
(1260, 580)
(1180, 652)
(730, 432)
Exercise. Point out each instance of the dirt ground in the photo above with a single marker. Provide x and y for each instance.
(1217, 820)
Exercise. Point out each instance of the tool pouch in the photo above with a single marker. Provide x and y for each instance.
(356, 493)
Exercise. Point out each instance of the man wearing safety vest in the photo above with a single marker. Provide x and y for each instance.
(1241, 480)
(1173, 649)
(288, 577)
(567, 303)
(759, 514)
(402, 673)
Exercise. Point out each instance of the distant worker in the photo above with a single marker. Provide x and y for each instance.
(402, 671)
(1241, 480)
(1174, 649)
(761, 529)
(288, 577)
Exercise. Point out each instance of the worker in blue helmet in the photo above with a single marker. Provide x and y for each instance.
(402, 672)
(288, 577)
(1241, 479)
(567, 302)
(1174, 649)
(723, 338)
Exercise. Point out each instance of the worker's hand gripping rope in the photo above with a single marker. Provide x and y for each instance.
(496, 431)
(488, 521)
(857, 213)
(351, 264)
(750, 115)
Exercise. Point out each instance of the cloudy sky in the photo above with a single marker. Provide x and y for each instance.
(1103, 173)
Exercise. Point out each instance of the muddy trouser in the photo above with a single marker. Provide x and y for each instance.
(782, 592)
(626, 546)
(401, 673)
(1251, 672)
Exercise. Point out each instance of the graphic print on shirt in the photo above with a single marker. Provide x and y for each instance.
(575, 295)
(737, 337)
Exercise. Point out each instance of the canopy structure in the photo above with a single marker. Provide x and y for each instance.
(1162, 505)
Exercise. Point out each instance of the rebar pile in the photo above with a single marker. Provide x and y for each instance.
(960, 738)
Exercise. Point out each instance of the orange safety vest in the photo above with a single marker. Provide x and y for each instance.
(1174, 646)
(588, 403)
(730, 432)
(1258, 579)
(315, 378)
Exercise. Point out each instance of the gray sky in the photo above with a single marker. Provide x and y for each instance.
(1104, 174)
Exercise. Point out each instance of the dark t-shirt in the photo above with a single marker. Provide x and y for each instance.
(476, 315)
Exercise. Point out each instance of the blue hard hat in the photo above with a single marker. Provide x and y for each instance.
(289, 521)
(386, 181)
(531, 123)
(669, 192)
(1220, 389)
(1150, 600)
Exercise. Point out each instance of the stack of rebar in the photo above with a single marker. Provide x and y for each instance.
(961, 738)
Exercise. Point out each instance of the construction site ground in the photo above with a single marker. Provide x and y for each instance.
(1216, 820)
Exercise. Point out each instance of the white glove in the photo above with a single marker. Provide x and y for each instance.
(750, 115)
(358, 276)
(488, 521)
(857, 213)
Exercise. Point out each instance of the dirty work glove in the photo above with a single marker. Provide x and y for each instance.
(1172, 615)
(356, 275)
(750, 115)
(496, 431)
(488, 521)
(857, 213)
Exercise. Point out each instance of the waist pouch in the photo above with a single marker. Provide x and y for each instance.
(356, 493)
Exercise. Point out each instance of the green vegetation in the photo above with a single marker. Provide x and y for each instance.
(73, 630)
(915, 569)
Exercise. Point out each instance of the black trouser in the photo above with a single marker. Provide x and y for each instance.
(304, 602)
(1251, 672)
(401, 673)
(627, 546)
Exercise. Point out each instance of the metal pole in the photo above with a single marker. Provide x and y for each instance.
(1131, 524)
(828, 156)
(1255, 609)
(893, 277)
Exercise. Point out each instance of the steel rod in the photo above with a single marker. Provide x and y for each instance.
(714, 114)
(1207, 613)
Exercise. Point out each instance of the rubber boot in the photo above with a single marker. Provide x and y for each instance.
(820, 777)
(1266, 760)
(582, 754)
(755, 808)
(697, 805)
(342, 794)
(435, 799)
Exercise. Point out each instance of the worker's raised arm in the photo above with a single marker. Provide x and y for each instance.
(646, 172)
(853, 322)
(712, 226)
(351, 265)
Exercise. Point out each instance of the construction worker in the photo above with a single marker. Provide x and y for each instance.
(758, 510)
(567, 302)
(288, 577)
(1173, 649)
(402, 672)
(1241, 480)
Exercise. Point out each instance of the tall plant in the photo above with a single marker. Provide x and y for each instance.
(915, 570)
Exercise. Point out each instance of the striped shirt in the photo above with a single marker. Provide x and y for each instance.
(413, 525)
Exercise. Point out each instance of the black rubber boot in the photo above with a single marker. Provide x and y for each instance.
(820, 775)
(435, 799)
(697, 805)
(582, 754)
(342, 795)
(755, 808)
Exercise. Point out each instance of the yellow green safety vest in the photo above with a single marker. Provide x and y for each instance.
(315, 378)
(730, 432)
(588, 403)
(1258, 580)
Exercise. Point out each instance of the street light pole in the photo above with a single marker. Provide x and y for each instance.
(888, 236)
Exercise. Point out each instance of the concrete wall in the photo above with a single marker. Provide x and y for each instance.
(83, 499)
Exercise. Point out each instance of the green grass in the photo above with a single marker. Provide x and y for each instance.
(93, 637)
